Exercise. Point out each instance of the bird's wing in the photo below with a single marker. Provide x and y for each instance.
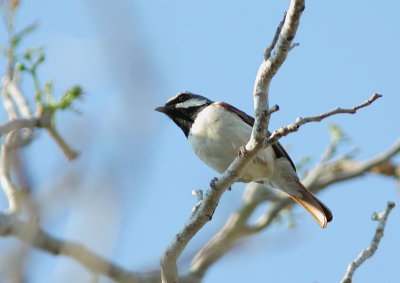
(277, 147)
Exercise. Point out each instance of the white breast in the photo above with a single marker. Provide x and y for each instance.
(216, 136)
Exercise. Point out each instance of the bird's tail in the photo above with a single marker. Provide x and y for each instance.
(319, 211)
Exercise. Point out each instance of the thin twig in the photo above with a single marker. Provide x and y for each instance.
(301, 121)
(294, 45)
(268, 50)
(66, 149)
(370, 251)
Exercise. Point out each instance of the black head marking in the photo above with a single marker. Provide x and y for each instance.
(183, 109)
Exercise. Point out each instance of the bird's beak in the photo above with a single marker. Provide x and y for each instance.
(163, 109)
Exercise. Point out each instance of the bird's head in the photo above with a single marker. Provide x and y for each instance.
(183, 109)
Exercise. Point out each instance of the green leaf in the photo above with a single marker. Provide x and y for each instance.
(337, 134)
(25, 31)
(66, 100)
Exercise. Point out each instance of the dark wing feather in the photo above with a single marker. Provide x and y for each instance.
(281, 152)
(277, 147)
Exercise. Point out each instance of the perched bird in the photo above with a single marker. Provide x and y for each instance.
(216, 131)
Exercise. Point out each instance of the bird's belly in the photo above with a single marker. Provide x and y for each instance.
(216, 137)
(215, 154)
(220, 152)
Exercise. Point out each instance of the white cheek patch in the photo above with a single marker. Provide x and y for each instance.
(191, 103)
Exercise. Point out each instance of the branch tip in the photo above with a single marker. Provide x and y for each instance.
(268, 50)
(370, 251)
(294, 45)
(273, 109)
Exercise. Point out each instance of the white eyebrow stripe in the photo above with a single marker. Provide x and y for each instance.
(190, 103)
(173, 98)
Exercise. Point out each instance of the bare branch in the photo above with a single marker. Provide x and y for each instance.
(15, 139)
(294, 45)
(13, 89)
(234, 229)
(268, 50)
(345, 169)
(19, 133)
(13, 194)
(18, 124)
(34, 236)
(66, 149)
(370, 251)
(327, 176)
(31, 234)
(301, 121)
(199, 195)
(44, 120)
(267, 70)
(237, 226)
(8, 104)
(16, 105)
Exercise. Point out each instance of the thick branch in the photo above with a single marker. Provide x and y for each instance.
(13, 89)
(18, 124)
(346, 169)
(19, 133)
(34, 236)
(370, 251)
(12, 192)
(233, 230)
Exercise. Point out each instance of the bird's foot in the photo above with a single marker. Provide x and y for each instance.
(213, 182)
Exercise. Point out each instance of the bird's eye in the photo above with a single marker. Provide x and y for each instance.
(183, 97)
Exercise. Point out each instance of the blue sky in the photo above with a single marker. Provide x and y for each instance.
(136, 172)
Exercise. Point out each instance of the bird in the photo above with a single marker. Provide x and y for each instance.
(217, 130)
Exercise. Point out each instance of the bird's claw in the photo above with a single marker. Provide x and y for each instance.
(213, 182)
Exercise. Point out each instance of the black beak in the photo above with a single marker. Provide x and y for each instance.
(163, 109)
